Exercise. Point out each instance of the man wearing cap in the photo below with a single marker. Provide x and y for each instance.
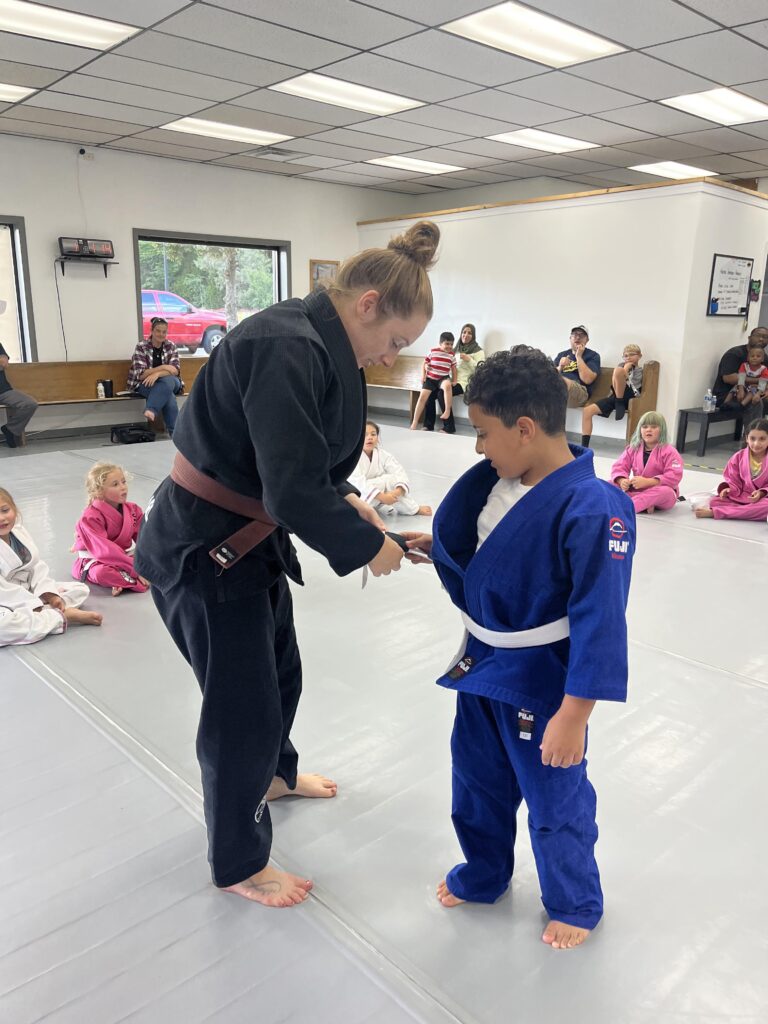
(579, 367)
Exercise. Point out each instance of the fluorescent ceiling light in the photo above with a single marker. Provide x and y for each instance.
(532, 138)
(14, 93)
(670, 169)
(219, 130)
(407, 163)
(724, 106)
(345, 94)
(25, 19)
(530, 34)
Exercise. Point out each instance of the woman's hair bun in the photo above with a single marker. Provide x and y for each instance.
(419, 243)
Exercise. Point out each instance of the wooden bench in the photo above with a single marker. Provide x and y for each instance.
(704, 419)
(405, 375)
(74, 383)
(645, 401)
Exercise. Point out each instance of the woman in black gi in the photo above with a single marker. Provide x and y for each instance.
(267, 438)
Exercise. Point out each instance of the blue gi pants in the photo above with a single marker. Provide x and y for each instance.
(493, 770)
(161, 397)
(242, 648)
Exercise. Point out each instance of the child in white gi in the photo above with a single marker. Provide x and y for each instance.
(382, 481)
(32, 605)
(536, 553)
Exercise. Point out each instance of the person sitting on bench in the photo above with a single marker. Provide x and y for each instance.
(20, 408)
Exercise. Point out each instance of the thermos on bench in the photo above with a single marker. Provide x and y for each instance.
(104, 389)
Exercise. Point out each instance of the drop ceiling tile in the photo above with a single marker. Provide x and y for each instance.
(190, 55)
(4, 106)
(608, 155)
(318, 148)
(631, 24)
(631, 177)
(32, 77)
(409, 187)
(478, 175)
(734, 165)
(719, 140)
(340, 177)
(340, 20)
(504, 107)
(430, 12)
(757, 129)
(478, 153)
(729, 12)
(230, 113)
(596, 181)
(296, 106)
(254, 163)
(121, 92)
(402, 79)
(657, 119)
(40, 52)
(66, 119)
(198, 141)
(521, 170)
(318, 161)
(577, 94)
(137, 12)
(726, 57)
(758, 90)
(350, 137)
(642, 75)
(141, 72)
(390, 128)
(142, 145)
(594, 129)
(441, 51)
(376, 171)
(17, 126)
(666, 149)
(446, 182)
(758, 31)
(455, 120)
(566, 164)
(757, 156)
(97, 108)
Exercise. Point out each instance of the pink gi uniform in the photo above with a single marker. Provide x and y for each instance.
(664, 462)
(104, 540)
(741, 484)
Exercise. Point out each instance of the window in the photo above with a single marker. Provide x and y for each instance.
(16, 325)
(204, 285)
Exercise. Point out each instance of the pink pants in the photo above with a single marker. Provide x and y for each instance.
(109, 576)
(661, 497)
(724, 508)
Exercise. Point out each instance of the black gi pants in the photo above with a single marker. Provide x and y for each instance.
(449, 425)
(242, 649)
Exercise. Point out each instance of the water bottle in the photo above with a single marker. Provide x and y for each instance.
(100, 393)
(709, 401)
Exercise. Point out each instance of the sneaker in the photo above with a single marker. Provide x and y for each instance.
(621, 409)
(9, 437)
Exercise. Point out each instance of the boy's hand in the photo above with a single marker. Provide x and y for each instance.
(420, 541)
(565, 735)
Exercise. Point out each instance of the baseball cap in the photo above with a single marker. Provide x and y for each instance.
(580, 327)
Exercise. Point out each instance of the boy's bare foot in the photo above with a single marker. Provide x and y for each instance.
(80, 617)
(272, 888)
(424, 510)
(116, 591)
(312, 786)
(564, 936)
(446, 897)
(704, 513)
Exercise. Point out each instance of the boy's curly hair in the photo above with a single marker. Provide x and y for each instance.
(520, 382)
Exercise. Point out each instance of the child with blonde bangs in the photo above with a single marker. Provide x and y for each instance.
(106, 532)
(649, 471)
(32, 604)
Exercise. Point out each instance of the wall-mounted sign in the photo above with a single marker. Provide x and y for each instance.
(729, 285)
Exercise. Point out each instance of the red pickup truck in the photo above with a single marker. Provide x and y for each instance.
(187, 325)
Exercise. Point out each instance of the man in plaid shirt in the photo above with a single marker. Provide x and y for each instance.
(155, 374)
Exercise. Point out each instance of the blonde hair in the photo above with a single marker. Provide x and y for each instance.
(631, 349)
(398, 273)
(6, 496)
(649, 419)
(96, 478)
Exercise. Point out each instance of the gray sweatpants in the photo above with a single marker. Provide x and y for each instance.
(19, 410)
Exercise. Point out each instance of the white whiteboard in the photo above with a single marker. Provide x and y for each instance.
(729, 286)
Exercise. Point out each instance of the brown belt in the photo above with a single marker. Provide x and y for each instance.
(245, 539)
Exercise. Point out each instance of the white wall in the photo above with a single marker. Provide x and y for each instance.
(627, 265)
(59, 193)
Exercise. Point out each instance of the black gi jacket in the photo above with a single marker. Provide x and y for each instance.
(278, 413)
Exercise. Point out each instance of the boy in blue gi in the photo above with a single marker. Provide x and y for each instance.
(536, 552)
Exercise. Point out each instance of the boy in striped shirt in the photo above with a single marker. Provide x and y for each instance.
(439, 372)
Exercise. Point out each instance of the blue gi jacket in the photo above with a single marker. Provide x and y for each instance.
(564, 549)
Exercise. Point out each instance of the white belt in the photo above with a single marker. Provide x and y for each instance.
(537, 637)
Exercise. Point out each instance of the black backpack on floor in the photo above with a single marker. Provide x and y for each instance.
(130, 433)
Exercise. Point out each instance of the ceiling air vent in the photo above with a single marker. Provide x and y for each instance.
(273, 153)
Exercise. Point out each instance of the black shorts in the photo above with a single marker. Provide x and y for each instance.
(430, 384)
(608, 405)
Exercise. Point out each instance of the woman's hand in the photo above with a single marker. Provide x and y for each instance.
(419, 547)
(388, 559)
(366, 512)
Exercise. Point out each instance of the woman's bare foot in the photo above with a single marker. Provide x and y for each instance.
(116, 591)
(445, 415)
(312, 786)
(704, 513)
(272, 888)
(414, 426)
(149, 415)
(564, 936)
(80, 617)
(446, 897)
(424, 510)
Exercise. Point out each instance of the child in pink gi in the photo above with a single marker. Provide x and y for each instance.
(650, 470)
(743, 494)
(106, 532)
